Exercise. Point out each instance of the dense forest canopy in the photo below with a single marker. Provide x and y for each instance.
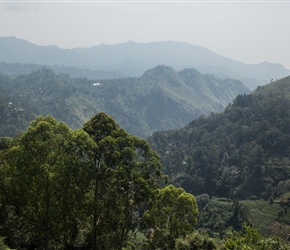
(91, 188)
(238, 153)
(101, 188)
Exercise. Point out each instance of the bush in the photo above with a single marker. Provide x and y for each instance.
(253, 240)
(195, 241)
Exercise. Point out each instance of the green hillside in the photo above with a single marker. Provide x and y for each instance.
(240, 153)
(278, 88)
(236, 162)
(158, 100)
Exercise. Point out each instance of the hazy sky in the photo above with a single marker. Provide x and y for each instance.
(247, 31)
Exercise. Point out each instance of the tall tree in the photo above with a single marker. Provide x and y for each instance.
(126, 172)
(173, 214)
(49, 169)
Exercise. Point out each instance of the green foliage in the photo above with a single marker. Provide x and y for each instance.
(4, 142)
(196, 241)
(172, 214)
(65, 189)
(48, 172)
(240, 153)
(3, 245)
(253, 240)
(218, 215)
(89, 188)
(126, 173)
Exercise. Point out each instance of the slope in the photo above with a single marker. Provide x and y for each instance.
(240, 153)
(160, 99)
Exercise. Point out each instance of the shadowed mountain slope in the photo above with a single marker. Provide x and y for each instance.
(160, 99)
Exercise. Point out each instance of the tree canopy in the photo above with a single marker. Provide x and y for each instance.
(83, 189)
(126, 172)
(172, 214)
(47, 177)
(251, 239)
(238, 153)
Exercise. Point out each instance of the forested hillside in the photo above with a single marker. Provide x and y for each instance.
(160, 99)
(15, 115)
(101, 188)
(240, 153)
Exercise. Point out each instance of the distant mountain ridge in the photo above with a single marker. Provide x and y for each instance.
(160, 99)
(74, 72)
(132, 59)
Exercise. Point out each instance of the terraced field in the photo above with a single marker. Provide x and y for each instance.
(269, 219)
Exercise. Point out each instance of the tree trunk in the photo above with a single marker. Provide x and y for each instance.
(95, 217)
(97, 164)
(46, 247)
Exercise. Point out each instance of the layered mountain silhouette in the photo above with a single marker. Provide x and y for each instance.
(132, 59)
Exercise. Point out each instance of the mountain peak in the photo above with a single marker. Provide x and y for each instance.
(163, 75)
(159, 69)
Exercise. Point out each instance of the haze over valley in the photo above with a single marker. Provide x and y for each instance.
(144, 125)
(132, 59)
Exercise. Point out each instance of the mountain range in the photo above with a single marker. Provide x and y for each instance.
(132, 59)
(160, 99)
(215, 137)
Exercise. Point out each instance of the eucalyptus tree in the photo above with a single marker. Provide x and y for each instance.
(126, 171)
(48, 168)
(172, 214)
